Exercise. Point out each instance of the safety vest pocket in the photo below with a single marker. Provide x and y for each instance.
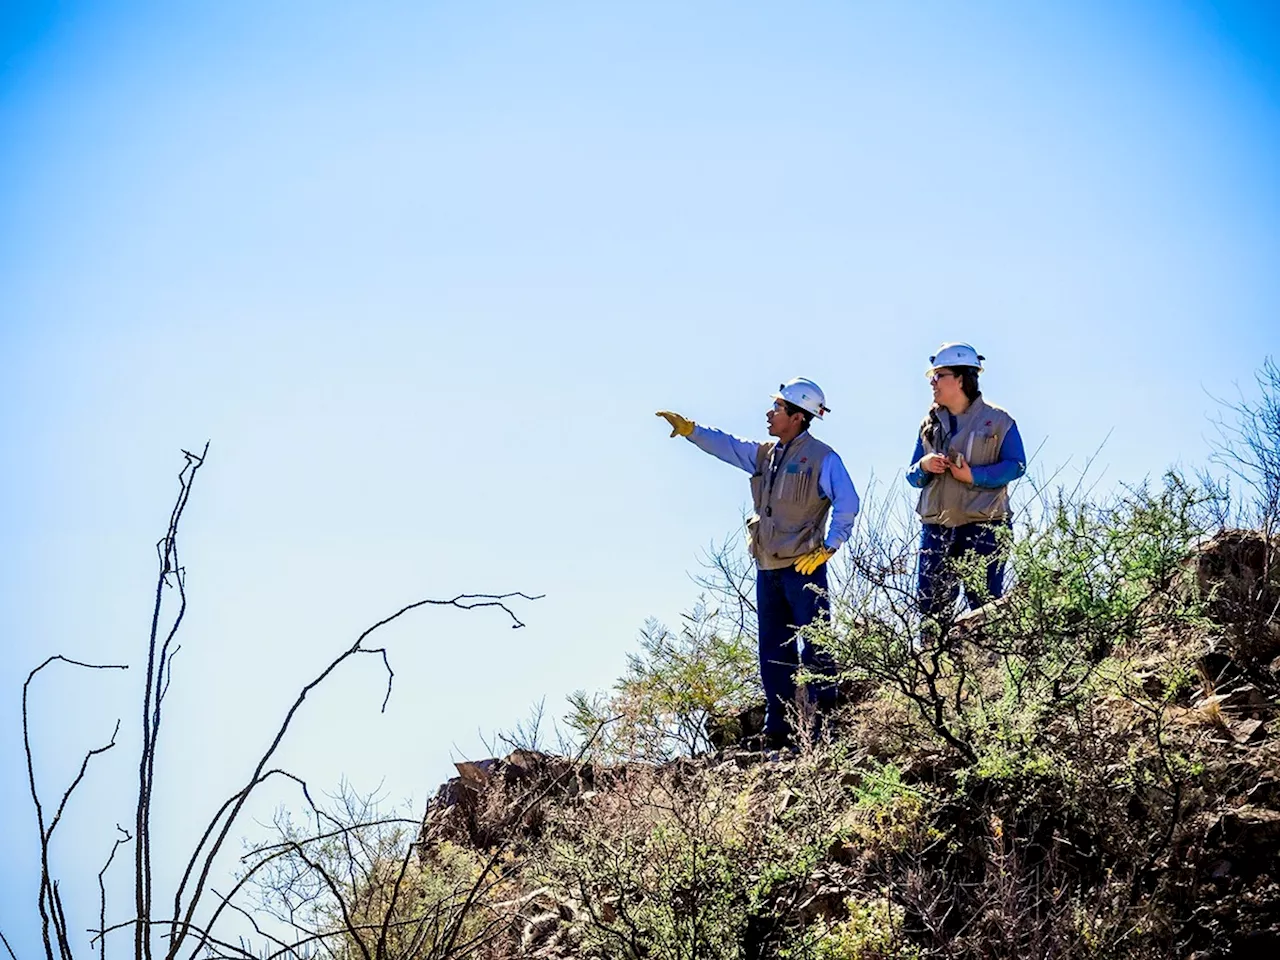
(793, 541)
(986, 448)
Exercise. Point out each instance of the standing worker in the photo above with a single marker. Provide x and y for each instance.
(967, 453)
(795, 481)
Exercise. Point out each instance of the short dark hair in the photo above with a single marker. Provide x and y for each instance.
(792, 408)
(968, 377)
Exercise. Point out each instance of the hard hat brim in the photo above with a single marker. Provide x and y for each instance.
(931, 370)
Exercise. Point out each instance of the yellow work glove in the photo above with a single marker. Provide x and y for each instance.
(679, 425)
(812, 561)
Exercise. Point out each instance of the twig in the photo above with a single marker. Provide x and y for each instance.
(102, 887)
(47, 901)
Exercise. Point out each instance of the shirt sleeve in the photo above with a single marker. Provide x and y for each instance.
(723, 446)
(917, 476)
(835, 484)
(1011, 465)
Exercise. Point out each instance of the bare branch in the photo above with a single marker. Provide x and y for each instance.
(47, 897)
(168, 613)
(153, 697)
(124, 837)
(330, 835)
(201, 862)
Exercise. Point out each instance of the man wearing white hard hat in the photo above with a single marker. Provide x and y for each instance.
(967, 453)
(796, 481)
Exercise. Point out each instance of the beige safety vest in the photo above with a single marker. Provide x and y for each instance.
(790, 514)
(979, 432)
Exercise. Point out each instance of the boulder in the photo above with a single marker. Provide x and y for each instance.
(1238, 573)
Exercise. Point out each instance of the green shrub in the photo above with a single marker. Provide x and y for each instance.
(659, 708)
(871, 931)
(1087, 579)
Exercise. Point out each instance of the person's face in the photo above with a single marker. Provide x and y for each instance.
(782, 424)
(947, 388)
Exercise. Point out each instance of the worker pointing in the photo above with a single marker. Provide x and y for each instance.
(796, 481)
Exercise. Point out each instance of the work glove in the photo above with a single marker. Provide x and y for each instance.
(679, 425)
(812, 561)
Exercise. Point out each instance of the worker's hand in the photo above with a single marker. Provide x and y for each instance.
(933, 463)
(812, 561)
(679, 425)
(959, 469)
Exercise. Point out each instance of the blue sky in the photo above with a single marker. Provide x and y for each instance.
(422, 272)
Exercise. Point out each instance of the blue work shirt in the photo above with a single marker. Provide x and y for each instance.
(1009, 467)
(834, 482)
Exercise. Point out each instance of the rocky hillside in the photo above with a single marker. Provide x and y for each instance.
(1086, 768)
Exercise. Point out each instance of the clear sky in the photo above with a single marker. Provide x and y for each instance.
(423, 271)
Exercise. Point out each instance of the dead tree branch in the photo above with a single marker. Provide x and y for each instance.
(124, 837)
(171, 574)
(196, 873)
(49, 900)
(189, 919)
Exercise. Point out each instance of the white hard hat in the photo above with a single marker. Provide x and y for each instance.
(956, 355)
(805, 394)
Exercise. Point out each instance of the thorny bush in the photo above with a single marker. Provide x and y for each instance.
(1088, 578)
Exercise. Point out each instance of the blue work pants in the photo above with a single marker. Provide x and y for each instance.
(785, 601)
(938, 580)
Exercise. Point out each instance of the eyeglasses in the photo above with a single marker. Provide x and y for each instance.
(936, 375)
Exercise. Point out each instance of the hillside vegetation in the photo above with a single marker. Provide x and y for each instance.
(1084, 768)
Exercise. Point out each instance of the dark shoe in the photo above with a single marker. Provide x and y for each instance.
(779, 740)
